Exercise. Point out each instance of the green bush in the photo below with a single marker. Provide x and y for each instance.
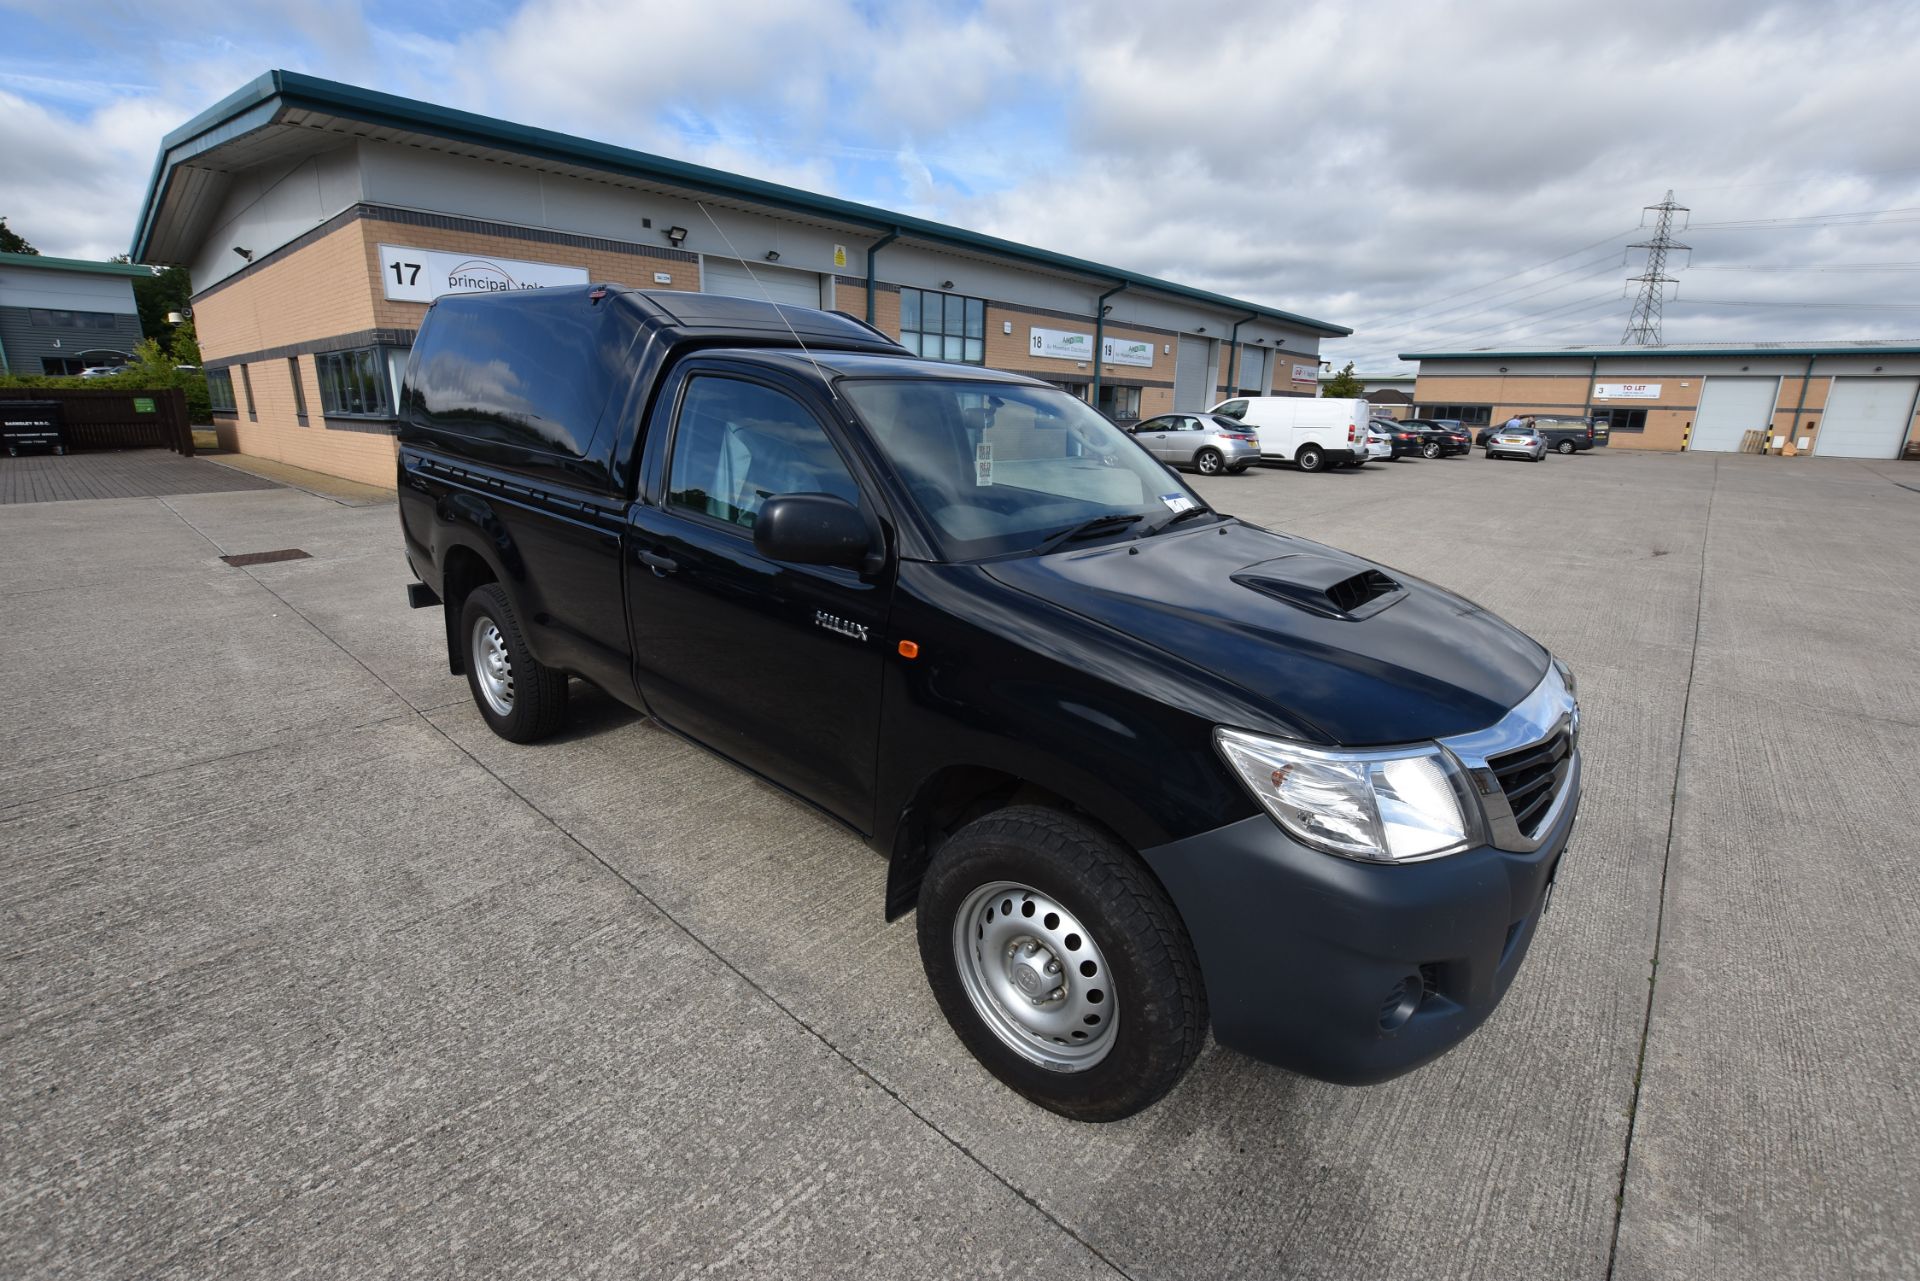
(152, 369)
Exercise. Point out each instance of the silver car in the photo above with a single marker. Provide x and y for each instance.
(1208, 443)
(1517, 442)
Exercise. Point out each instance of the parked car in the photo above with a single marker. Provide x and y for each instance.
(1402, 438)
(1517, 442)
(104, 371)
(1123, 753)
(1311, 433)
(1379, 447)
(1564, 435)
(1443, 439)
(1208, 443)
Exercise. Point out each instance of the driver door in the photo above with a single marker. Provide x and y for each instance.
(776, 666)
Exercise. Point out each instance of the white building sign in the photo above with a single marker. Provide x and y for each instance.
(1061, 344)
(1126, 351)
(421, 275)
(1626, 391)
(1306, 373)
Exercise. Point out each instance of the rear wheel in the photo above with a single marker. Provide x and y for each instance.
(1060, 963)
(1209, 462)
(520, 698)
(1429, 450)
(1309, 458)
(1566, 447)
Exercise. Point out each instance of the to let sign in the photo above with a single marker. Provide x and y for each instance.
(421, 275)
(1626, 391)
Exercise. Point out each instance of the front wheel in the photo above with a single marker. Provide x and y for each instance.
(1060, 963)
(1566, 447)
(520, 698)
(1309, 458)
(1209, 462)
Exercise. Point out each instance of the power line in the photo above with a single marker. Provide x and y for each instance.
(1814, 266)
(1823, 306)
(1407, 311)
(1789, 219)
(1605, 264)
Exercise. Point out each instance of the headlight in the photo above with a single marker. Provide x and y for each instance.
(1382, 807)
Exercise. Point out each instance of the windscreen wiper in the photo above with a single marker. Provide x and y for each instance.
(1179, 516)
(1112, 520)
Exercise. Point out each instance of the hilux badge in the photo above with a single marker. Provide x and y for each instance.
(822, 618)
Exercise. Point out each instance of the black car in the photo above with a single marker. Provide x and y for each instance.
(1405, 439)
(1565, 435)
(1443, 438)
(1139, 767)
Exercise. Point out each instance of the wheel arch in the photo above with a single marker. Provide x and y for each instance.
(956, 794)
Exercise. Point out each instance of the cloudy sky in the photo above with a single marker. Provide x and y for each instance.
(1433, 175)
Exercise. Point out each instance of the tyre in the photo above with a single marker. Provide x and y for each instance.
(1240, 470)
(1060, 963)
(1429, 450)
(1565, 447)
(1209, 462)
(521, 699)
(1309, 458)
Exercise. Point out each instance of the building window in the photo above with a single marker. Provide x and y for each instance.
(1471, 415)
(1621, 419)
(60, 365)
(353, 384)
(944, 326)
(220, 390)
(299, 392)
(246, 385)
(51, 319)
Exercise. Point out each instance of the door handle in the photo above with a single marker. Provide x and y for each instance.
(660, 565)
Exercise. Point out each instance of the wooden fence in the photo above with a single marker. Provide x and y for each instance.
(117, 419)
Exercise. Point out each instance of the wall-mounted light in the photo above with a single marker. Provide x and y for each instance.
(946, 284)
(1006, 326)
(1503, 369)
(178, 317)
(244, 253)
(1199, 329)
(1166, 349)
(676, 236)
(1107, 310)
(773, 255)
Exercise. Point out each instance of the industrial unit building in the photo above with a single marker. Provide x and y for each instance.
(63, 315)
(318, 220)
(1846, 400)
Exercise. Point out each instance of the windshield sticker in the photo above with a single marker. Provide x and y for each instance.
(1177, 502)
(983, 464)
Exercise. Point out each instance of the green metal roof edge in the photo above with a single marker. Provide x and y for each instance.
(1656, 353)
(73, 264)
(407, 113)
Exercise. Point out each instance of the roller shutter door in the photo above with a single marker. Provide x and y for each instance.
(781, 284)
(1866, 418)
(1729, 407)
(1253, 370)
(1190, 390)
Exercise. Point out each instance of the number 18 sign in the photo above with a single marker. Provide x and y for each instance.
(421, 275)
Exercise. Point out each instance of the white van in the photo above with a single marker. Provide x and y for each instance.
(1312, 434)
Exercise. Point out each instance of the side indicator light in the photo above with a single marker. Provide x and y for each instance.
(909, 649)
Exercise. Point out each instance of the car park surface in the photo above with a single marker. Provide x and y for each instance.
(309, 972)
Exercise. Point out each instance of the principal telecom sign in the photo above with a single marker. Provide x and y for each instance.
(1127, 351)
(421, 275)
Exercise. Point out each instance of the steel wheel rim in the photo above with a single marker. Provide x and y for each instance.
(1007, 954)
(492, 667)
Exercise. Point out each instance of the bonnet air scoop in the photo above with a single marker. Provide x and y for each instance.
(1322, 585)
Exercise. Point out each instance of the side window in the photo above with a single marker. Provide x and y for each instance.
(737, 444)
(1234, 409)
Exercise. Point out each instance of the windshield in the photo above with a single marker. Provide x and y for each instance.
(997, 468)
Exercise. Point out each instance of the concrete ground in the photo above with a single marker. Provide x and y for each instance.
(307, 973)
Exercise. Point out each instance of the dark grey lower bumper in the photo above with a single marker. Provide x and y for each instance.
(1353, 972)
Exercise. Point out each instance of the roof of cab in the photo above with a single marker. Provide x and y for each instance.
(875, 364)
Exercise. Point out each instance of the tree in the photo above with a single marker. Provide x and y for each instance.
(1343, 385)
(12, 242)
(167, 290)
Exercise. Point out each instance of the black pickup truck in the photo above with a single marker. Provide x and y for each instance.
(1140, 767)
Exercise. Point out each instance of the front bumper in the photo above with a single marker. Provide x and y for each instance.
(1312, 961)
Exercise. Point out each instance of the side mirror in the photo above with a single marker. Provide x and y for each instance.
(811, 529)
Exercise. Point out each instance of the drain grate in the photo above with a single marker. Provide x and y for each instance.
(266, 558)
